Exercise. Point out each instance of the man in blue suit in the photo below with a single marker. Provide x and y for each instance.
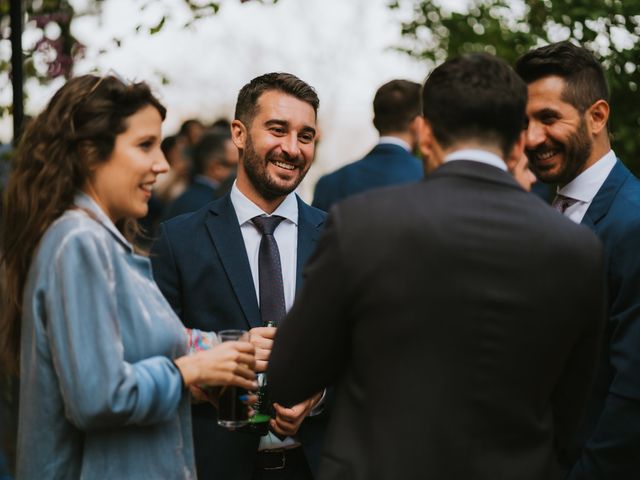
(208, 264)
(568, 144)
(396, 108)
(215, 158)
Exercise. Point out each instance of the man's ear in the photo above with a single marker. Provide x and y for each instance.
(517, 151)
(432, 154)
(597, 116)
(238, 134)
(425, 136)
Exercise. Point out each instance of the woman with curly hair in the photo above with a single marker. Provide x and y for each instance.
(101, 355)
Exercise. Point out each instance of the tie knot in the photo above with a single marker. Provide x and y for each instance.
(561, 202)
(267, 225)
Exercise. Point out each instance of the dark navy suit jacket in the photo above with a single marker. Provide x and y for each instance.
(201, 265)
(387, 164)
(612, 426)
(196, 196)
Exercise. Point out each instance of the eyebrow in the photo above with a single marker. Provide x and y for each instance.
(284, 123)
(546, 112)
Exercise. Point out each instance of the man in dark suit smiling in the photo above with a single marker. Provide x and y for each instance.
(454, 355)
(212, 268)
(568, 144)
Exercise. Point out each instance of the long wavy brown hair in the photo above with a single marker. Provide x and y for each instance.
(54, 160)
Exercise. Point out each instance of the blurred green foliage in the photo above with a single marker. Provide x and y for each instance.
(509, 28)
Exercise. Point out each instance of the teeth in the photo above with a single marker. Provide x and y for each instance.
(284, 165)
(147, 187)
(548, 154)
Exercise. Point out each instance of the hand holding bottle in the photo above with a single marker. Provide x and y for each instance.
(262, 339)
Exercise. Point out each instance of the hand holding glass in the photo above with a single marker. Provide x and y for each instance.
(233, 412)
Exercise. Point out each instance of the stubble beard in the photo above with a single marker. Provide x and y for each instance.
(576, 150)
(256, 170)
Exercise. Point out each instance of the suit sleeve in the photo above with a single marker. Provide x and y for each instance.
(165, 271)
(100, 388)
(612, 450)
(311, 345)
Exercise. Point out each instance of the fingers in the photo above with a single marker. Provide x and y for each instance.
(242, 346)
(243, 370)
(249, 399)
(262, 339)
(246, 359)
(262, 332)
(241, 382)
(284, 427)
(261, 366)
(293, 414)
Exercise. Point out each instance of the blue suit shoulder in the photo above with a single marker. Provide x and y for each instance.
(386, 164)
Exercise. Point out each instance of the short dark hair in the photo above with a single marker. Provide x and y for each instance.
(582, 73)
(209, 148)
(475, 96)
(168, 144)
(187, 124)
(396, 105)
(246, 105)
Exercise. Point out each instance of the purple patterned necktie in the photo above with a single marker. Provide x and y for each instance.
(272, 306)
(561, 203)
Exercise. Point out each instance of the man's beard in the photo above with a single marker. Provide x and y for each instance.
(575, 150)
(256, 169)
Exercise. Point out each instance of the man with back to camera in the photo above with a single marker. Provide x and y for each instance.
(210, 266)
(568, 144)
(454, 355)
(396, 108)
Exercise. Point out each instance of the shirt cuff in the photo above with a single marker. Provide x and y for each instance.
(319, 407)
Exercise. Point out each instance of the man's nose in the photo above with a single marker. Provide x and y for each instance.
(290, 145)
(535, 135)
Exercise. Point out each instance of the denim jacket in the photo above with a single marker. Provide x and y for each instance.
(99, 397)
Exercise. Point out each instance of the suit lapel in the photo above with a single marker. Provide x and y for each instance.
(222, 224)
(309, 228)
(603, 199)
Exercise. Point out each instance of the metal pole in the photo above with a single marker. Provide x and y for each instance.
(17, 63)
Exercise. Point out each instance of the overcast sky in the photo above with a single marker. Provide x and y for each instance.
(341, 47)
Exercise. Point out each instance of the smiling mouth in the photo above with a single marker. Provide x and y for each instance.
(147, 187)
(286, 166)
(542, 158)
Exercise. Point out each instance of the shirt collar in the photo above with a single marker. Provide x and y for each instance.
(477, 155)
(84, 201)
(585, 186)
(394, 141)
(246, 209)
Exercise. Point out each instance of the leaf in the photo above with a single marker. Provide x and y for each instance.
(158, 27)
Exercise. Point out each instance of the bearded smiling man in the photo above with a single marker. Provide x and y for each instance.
(209, 265)
(568, 144)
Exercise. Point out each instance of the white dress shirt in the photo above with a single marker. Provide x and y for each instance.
(286, 235)
(394, 141)
(477, 155)
(584, 187)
